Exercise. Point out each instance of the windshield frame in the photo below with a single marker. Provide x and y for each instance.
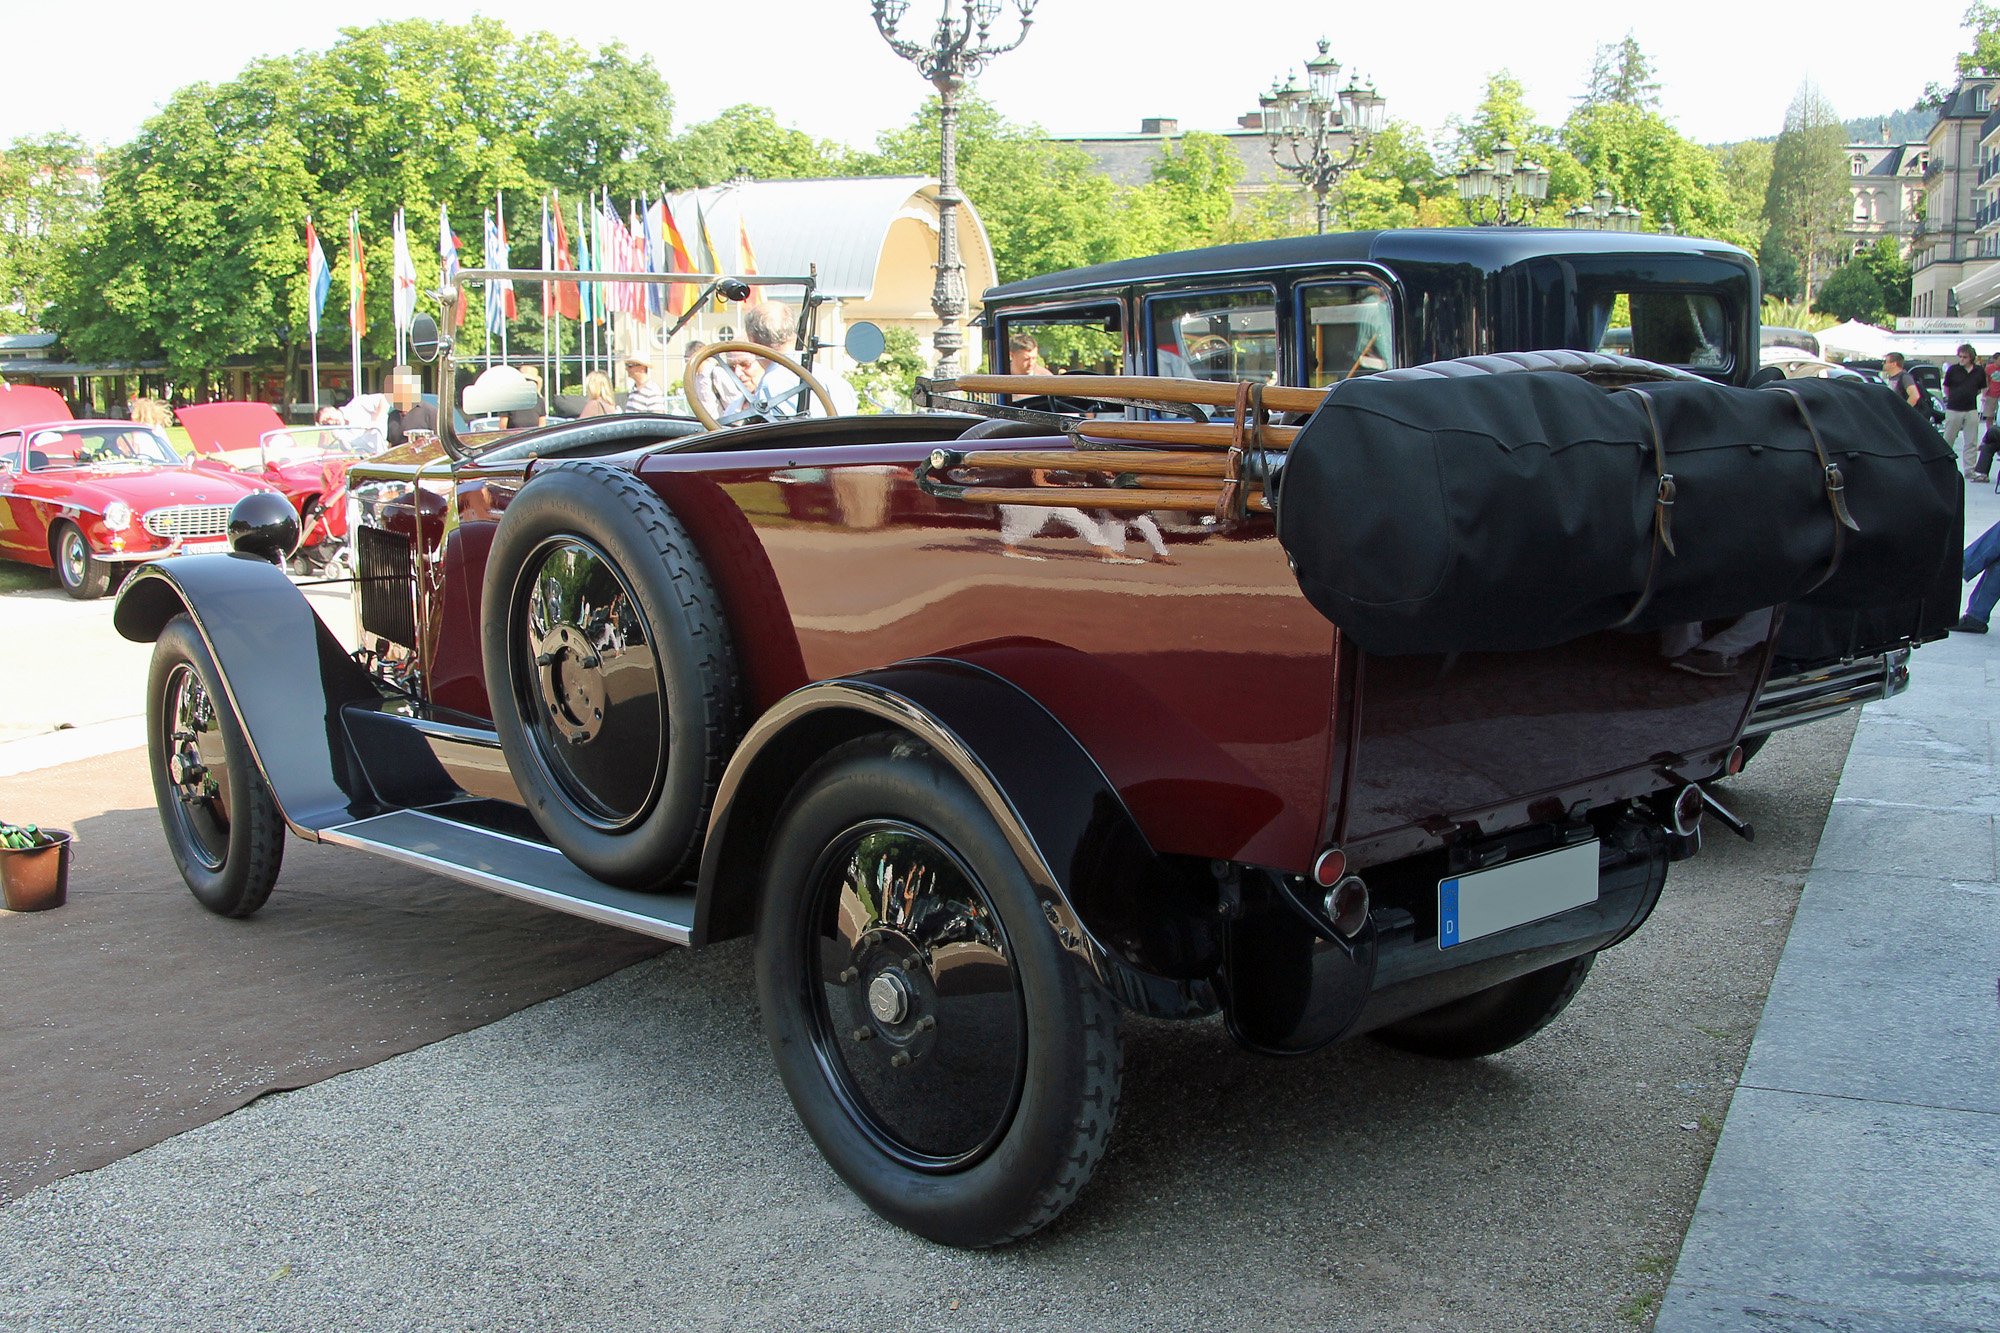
(370, 436)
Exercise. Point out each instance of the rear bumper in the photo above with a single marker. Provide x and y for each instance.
(1808, 696)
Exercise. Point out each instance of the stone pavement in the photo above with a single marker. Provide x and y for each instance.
(1856, 1185)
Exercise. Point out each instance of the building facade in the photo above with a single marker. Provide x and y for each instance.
(1886, 181)
(1944, 249)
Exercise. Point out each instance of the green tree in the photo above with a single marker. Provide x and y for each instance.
(1851, 292)
(1650, 166)
(1621, 74)
(1892, 272)
(1984, 57)
(748, 140)
(886, 384)
(1780, 268)
(1745, 169)
(1808, 197)
(1503, 114)
(1045, 205)
(1397, 184)
(48, 191)
(1187, 203)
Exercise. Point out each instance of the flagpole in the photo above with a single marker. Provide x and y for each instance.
(355, 288)
(550, 384)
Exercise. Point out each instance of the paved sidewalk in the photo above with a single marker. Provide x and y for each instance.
(1856, 1186)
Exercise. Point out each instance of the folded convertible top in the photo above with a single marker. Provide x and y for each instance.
(1510, 511)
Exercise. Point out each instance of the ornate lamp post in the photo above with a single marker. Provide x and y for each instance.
(958, 48)
(1514, 186)
(1601, 214)
(1305, 126)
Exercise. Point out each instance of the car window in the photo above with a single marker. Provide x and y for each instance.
(1672, 328)
(1348, 329)
(1088, 340)
(1215, 335)
(99, 446)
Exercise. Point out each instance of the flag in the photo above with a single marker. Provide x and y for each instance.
(567, 302)
(714, 259)
(679, 292)
(448, 257)
(319, 278)
(587, 293)
(403, 297)
(500, 225)
(500, 305)
(357, 277)
(649, 227)
(746, 258)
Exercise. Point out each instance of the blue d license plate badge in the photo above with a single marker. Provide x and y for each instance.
(1486, 902)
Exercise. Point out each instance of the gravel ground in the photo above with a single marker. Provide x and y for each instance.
(623, 1157)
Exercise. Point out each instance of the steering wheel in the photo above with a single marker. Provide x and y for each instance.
(756, 349)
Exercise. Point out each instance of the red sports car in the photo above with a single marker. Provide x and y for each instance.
(308, 464)
(90, 497)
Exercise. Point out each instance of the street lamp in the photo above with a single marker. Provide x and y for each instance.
(1605, 215)
(1305, 125)
(1508, 181)
(957, 50)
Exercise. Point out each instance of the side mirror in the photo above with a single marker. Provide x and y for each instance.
(424, 340)
(733, 289)
(865, 343)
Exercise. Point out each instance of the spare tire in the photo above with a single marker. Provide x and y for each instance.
(609, 666)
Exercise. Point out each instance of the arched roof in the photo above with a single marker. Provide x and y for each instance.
(839, 224)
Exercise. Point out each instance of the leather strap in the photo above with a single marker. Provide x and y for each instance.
(1835, 482)
(1664, 492)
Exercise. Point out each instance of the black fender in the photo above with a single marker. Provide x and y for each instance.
(283, 673)
(1077, 842)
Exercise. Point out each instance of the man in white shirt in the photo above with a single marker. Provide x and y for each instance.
(646, 396)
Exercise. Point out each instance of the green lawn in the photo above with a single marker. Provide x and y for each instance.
(23, 578)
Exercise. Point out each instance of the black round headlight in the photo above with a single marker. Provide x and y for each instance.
(265, 525)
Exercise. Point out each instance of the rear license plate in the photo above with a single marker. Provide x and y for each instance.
(1488, 901)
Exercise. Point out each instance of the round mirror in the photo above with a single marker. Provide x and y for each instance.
(865, 342)
(424, 342)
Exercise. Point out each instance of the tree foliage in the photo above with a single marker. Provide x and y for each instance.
(1745, 169)
(48, 189)
(749, 141)
(1621, 74)
(1650, 166)
(1873, 287)
(1808, 198)
(1984, 57)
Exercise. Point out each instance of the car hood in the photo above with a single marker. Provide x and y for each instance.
(223, 427)
(147, 489)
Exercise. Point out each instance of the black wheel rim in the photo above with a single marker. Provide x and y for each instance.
(197, 768)
(592, 700)
(915, 1000)
(73, 558)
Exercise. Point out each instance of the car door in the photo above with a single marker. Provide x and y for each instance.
(16, 518)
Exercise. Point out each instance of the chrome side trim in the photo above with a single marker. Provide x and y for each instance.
(1810, 696)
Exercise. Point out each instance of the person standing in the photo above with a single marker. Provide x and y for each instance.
(1964, 381)
(645, 396)
(597, 400)
(409, 411)
(1898, 377)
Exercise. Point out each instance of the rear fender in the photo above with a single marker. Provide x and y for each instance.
(1075, 839)
(283, 674)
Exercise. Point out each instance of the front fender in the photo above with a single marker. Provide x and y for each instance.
(283, 674)
(1076, 840)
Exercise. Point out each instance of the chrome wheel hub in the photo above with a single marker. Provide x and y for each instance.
(889, 997)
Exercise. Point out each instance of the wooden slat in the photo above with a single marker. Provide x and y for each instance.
(1180, 432)
(1102, 460)
(1205, 393)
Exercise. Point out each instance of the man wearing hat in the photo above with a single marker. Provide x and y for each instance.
(646, 396)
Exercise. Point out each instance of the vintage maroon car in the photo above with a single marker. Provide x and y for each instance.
(901, 697)
(307, 464)
(91, 498)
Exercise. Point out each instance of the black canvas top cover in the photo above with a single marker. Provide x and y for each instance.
(1496, 512)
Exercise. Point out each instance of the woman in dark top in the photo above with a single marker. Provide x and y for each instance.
(1963, 383)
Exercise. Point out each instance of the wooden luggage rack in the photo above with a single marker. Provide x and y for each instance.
(1199, 465)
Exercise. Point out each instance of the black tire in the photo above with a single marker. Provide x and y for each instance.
(617, 730)
(222, 826)
(1005, 1102)
(79, 571)
(1493, 1019)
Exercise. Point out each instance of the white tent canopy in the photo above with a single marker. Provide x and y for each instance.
(1855, 341)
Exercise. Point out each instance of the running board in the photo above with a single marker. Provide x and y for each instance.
(533, 872)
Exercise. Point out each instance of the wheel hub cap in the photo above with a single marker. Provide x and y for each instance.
(197, 767)
(889, 997)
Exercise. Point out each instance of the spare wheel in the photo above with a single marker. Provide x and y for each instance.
(610, 671)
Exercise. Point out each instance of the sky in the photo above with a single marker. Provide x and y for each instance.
(1087, 67)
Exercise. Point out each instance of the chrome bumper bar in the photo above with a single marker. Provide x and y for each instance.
(1790, 701)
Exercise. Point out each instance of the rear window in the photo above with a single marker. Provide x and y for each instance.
(1672, 328)
(1216, 336)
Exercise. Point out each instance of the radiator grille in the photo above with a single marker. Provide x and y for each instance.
(188, 521)
(387, 586)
